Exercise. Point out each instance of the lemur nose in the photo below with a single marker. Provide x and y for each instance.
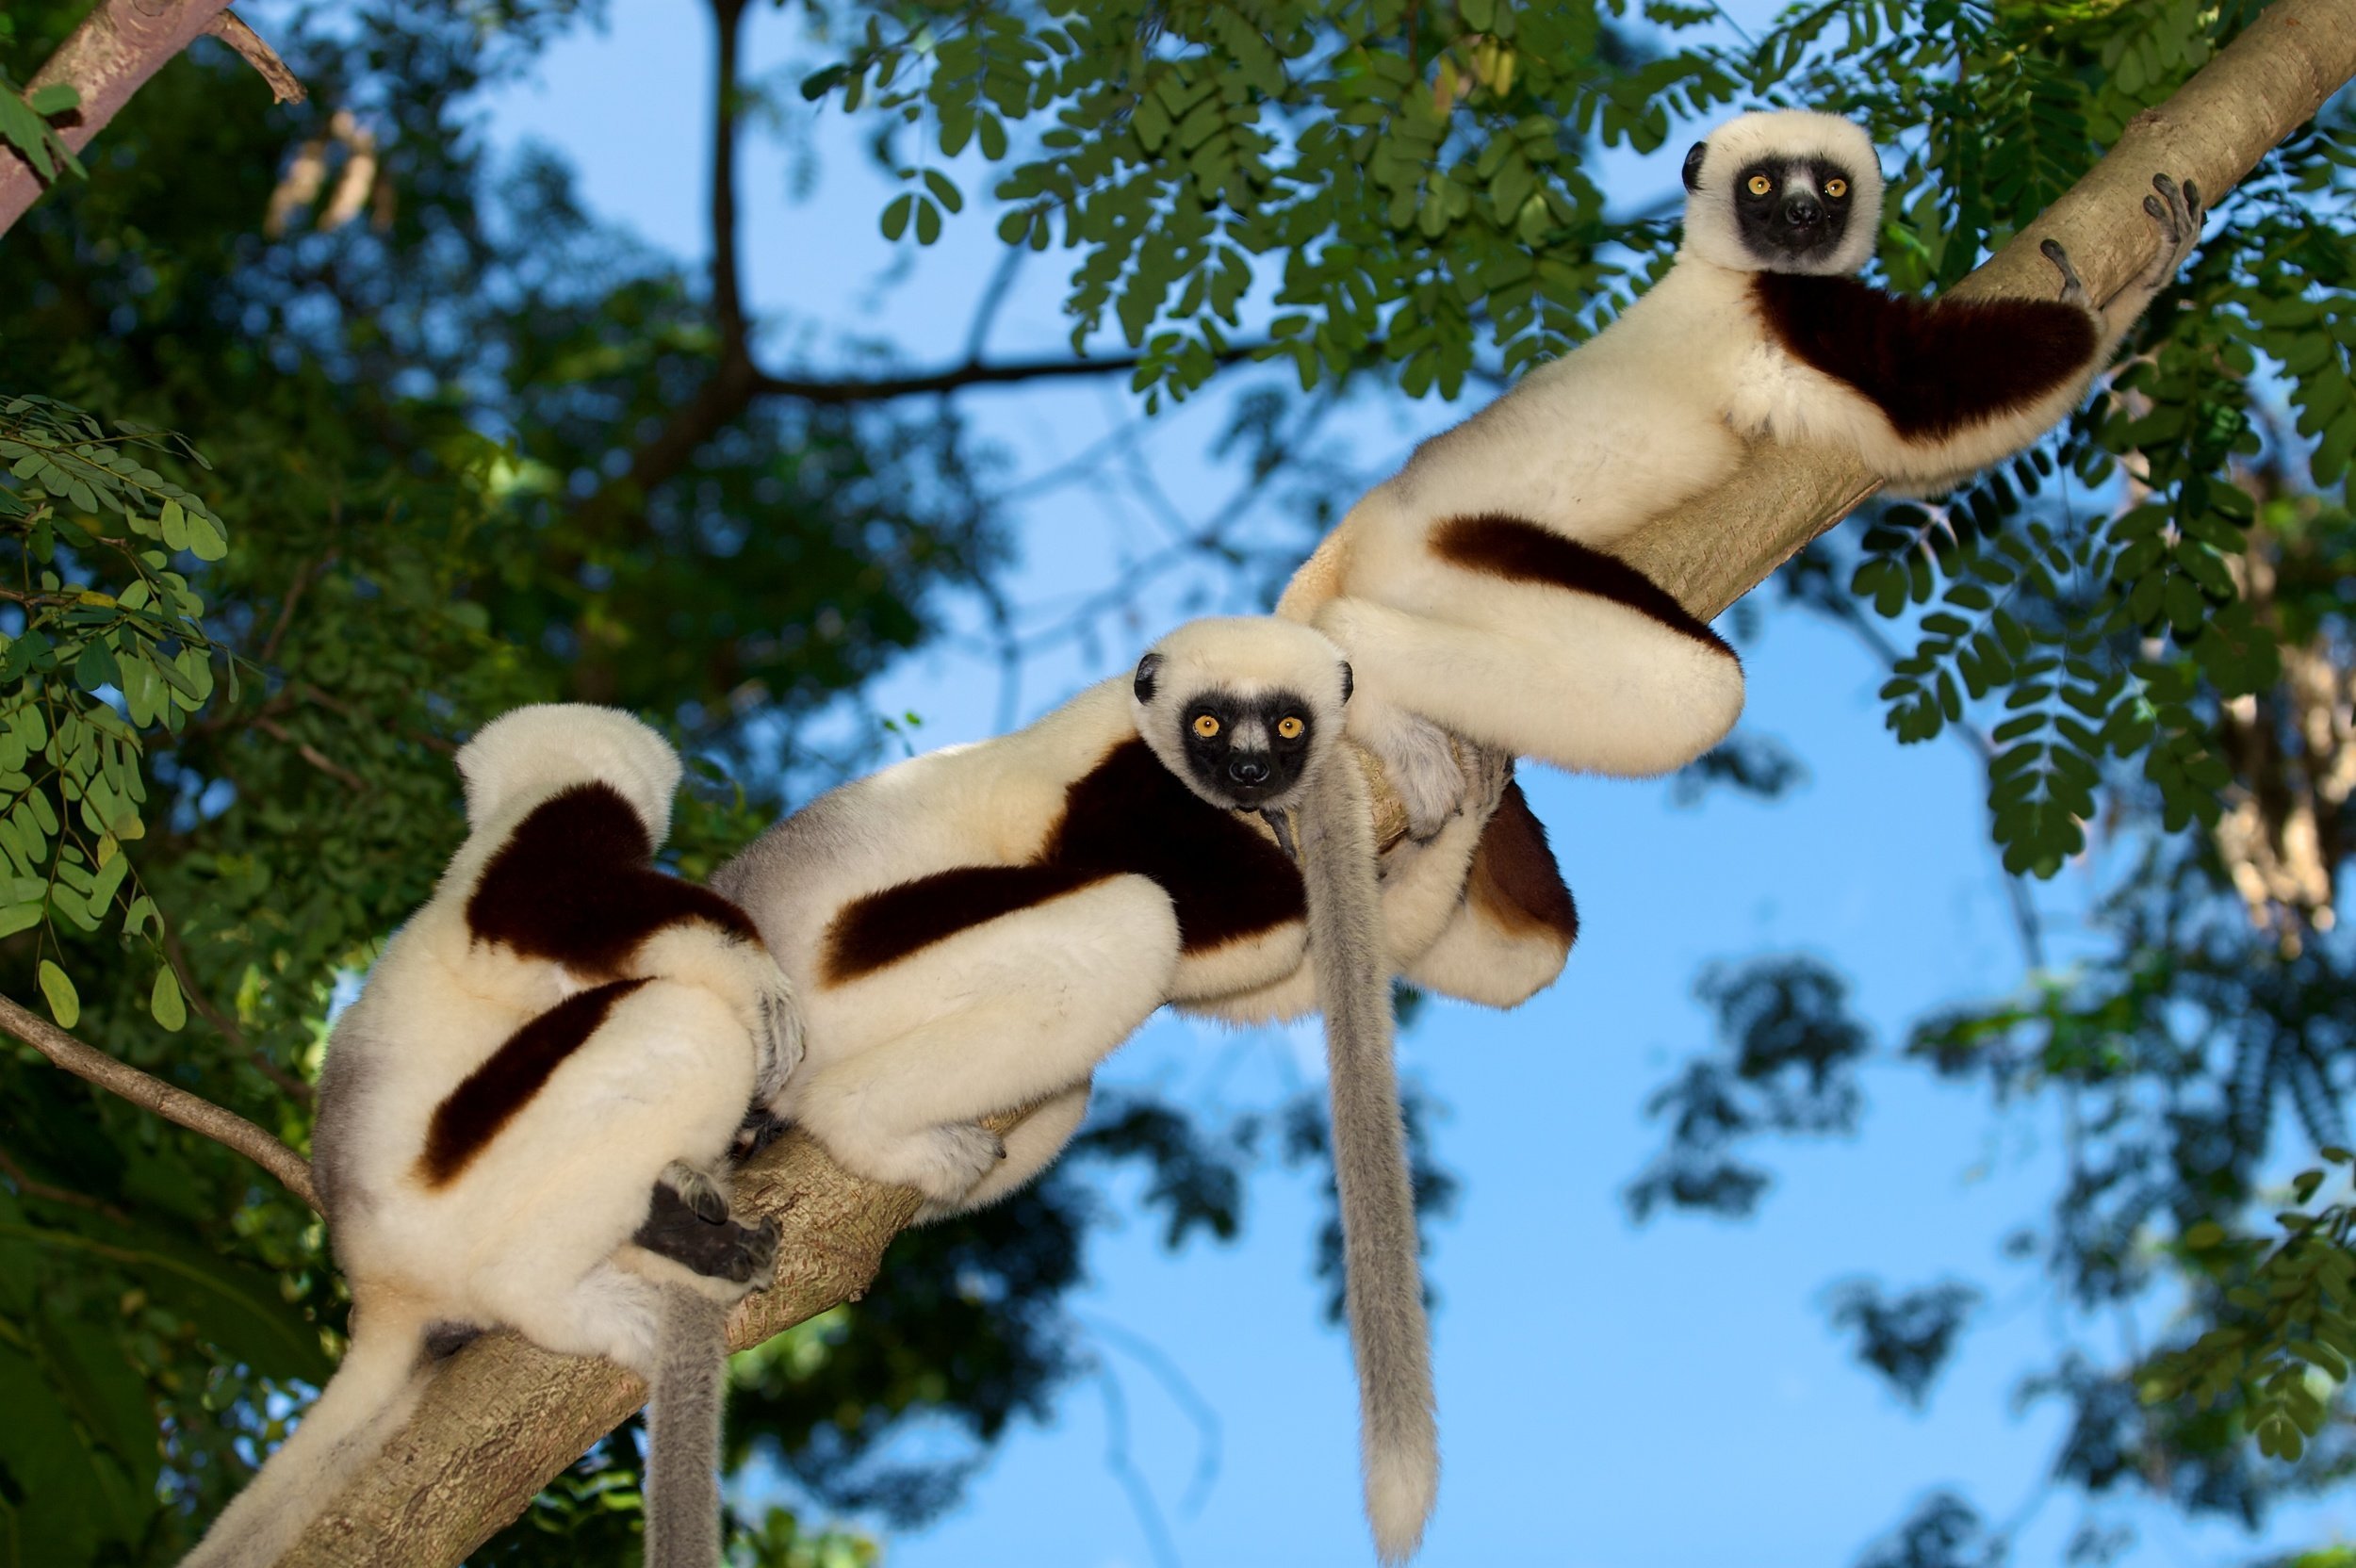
(1800, 208)
(1247, 770)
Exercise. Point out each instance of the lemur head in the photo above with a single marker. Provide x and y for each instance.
(529, 754)
(1242, 709)
(1789, 191)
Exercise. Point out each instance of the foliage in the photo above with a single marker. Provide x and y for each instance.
(24, 123)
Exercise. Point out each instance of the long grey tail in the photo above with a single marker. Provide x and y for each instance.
(683, 1432)
(363, 1405)
(1383, 1282)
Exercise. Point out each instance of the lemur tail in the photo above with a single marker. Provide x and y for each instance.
(683, 1432)
(1383, 1283)
(363, 1405)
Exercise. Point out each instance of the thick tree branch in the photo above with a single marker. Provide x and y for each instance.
(108, 58)
(226, 1128)
(503, 1417)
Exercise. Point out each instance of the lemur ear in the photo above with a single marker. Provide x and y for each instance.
(1693, 165)
(1349, 681)
(1147, 668)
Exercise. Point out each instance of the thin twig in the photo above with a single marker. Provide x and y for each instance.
(873, 389)
(226, 1127)
(232, 30)
(42, 1190)
(312, 755)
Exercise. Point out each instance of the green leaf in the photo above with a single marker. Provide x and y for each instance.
(64, 1005)
(165, 1004)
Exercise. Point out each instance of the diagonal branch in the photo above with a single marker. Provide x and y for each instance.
(503, 1417)
(119, 46)
(226, 1128)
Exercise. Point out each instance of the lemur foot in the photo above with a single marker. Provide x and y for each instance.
(1489, 771)
(715, 1248)
(780, 1043)
(703, 1196)
(1421, 764)
(2073, 289)
(2176, 211)
(760, 1128)
(754, 1260)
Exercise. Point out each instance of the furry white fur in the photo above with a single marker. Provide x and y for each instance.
(534, 1230)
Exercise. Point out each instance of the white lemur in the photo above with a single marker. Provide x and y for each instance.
(518, 1115)
(972, 931)
(1473, 591)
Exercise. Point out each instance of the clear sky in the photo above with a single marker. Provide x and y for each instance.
(1611, 1396)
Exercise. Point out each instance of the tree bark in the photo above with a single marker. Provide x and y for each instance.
(503, 1417)
(108, 58)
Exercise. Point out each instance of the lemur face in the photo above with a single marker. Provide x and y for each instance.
(1240, 709)
(1784, 191)
(1792, 209)
(1248, 751)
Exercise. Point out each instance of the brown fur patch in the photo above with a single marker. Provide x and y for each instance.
(1513, 880)
(882, 928)
(1130, 814)
(576, 886)
(1126, 816)
(465, 1123)
(1521, 552)
(1932, 366)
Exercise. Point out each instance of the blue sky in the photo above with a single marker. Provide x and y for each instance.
(1611, 1396)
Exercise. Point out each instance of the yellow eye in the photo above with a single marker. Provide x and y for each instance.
(1288, 727)
(1836, 189)
(1205, 725)
(1761, 185)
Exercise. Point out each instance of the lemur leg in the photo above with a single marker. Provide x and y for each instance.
(608, 1312)
(1574, 679)
(691, 1190)
(744, 974)
(1001, 1014)
(1031, 1144)
(657, 1082)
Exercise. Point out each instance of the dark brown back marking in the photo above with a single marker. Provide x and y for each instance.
(1520, 551)
(1514, 880)
(880, 929)
(576, 886)
(1932, 366)
(1128, 815)
(1131, 814)
(466, 1123)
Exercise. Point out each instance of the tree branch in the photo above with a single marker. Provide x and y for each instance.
(226, 1127)
(876, 389)
(108, 58)
(503, 1416)
(283, 86)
